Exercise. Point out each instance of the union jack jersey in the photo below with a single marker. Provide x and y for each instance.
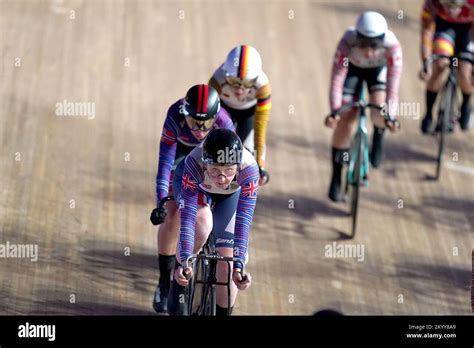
(195, 179)
(176, 129)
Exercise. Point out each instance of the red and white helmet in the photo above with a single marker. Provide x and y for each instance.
(243, 62)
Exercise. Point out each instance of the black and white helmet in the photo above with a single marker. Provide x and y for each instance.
(222, 147)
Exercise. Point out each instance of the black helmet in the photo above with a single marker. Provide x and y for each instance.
(222, 146)
(201, 102)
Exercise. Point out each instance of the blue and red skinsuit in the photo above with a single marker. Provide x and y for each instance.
(176, 129)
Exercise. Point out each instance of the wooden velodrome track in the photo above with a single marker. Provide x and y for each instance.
(82, 189)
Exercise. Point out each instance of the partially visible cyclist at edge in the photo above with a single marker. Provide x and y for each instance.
(246, 94)
(447, 27)
(187, 123)
(369, 52)
(224, 175)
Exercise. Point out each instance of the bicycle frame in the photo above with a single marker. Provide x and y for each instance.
(445, 112)
(361, 138)
(358, 169)
(448, 94)
(208, 259)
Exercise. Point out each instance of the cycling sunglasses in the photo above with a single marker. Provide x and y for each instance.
(204, 125)
(374, 44)
(237, 82)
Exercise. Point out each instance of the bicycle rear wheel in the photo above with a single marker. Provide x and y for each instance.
(443, 122)
(355, 184)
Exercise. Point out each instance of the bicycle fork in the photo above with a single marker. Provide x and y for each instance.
(359, 148)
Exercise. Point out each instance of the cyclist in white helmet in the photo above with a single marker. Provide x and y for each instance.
(245, 93)
(369, 52)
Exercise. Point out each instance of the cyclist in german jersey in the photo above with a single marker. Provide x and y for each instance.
(223, 174)
(369, 52)
(447, 27)
(246, 94)
(187, 123)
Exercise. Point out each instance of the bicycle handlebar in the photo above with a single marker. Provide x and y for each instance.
(216, 257)
(362, 105)
(164, 200)
(434, 57)
(158, 214)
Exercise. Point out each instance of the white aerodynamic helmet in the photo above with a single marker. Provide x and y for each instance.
(243, 62)
(371, 25)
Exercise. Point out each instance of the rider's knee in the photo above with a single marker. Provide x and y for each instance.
(223, 267)
(204, 220)
(377, 119)
(439, 66)
(203, 227)
(347, 120)
(465, 75)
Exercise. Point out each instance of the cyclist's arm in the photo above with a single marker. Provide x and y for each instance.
(428, 27)
(248, 180)
(340, 67)
(188, 203)
(394, 72)
(262, 114)
(166, 158)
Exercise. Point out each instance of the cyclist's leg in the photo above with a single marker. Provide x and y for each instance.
(204, 223)
(342, 134)
(224, 222)
(168, 230)
(177, 298)
(167, 238)
(166, 256)
(464, 49)
(376, 82)
(443, 43)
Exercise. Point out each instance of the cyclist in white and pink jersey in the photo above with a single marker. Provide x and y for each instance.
(369, 52)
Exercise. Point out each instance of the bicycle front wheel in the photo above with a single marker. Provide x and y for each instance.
(443, 124)
(355, 184)
(211, 301)
(198, 288)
